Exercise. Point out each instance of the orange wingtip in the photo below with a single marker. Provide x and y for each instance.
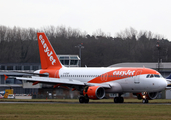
(5, 77)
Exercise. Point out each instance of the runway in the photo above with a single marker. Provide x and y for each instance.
(157, 103)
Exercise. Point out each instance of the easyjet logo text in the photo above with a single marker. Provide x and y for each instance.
(128, 72)
(46, 50)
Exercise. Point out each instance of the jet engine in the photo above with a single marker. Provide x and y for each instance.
(94, 92)
(149, 96)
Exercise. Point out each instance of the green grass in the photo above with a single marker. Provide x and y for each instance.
(92, 111)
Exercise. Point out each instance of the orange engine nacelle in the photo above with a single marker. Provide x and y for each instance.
(94, 92)
(149, 96)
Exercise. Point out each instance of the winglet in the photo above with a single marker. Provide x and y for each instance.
(48, 56)
(5, 77)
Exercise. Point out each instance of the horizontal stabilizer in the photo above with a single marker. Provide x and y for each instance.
(32, 73)
(6, 77)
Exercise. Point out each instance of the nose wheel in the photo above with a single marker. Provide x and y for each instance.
(145, 101)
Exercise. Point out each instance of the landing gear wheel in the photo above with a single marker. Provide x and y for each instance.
(121, 99)
(81, 99)
(145, 101)
(118, 100)
(86, 100)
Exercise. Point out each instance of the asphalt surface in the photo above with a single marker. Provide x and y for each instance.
(82, 103)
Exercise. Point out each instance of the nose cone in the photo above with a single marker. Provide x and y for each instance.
(162, 84)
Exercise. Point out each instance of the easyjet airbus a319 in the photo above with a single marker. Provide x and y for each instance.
(95, 82)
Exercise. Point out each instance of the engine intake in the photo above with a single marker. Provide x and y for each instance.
(94, 92)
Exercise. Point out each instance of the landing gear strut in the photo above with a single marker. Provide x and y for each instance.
(119, 99)
(83, 99)
(145, 100)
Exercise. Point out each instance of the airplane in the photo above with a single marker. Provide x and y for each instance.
(95, 82)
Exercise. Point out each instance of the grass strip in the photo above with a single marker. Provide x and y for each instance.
(85, 111)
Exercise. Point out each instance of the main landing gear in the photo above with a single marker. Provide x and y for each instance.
(83, 99)
(119, 99)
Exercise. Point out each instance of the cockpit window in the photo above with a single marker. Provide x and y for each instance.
(147, 76)
(153, 75)
(157, 76)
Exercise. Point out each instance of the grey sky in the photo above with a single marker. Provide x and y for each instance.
(111, 16)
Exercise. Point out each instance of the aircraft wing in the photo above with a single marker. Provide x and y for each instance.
(62, 81)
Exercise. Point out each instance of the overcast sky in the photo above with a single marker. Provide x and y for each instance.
(111, 16)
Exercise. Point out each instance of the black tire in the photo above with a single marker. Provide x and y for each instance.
(82, 99)
(121, 99)
(116, 100)
(86, 100)
(145, 101)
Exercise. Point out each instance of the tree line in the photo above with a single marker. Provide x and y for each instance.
(19, 45)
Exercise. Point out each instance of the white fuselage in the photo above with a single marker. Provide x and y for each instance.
(120, 80)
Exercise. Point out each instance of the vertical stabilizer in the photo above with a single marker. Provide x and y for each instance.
(48, 56)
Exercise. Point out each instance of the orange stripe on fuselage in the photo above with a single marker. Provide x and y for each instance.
(121, 73)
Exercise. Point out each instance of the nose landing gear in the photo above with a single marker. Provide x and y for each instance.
(145, 101)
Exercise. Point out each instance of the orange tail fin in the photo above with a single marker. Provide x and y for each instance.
(48, 56)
